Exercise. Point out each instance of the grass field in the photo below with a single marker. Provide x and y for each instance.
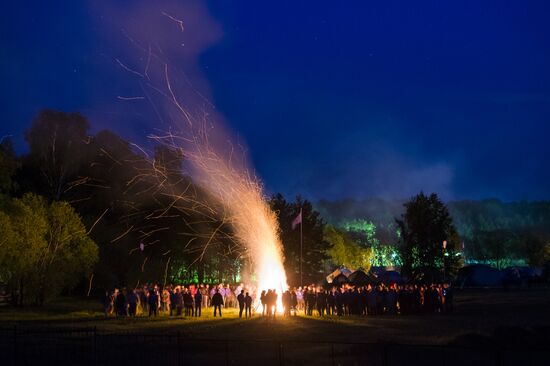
(480, 316)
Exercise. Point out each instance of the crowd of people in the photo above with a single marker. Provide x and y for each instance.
(370, 300)
(190, 301)
(177, 300)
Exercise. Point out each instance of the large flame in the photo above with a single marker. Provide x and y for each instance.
(255, 224)
(160, 46)
(240, 193)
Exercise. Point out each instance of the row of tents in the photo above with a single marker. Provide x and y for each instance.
(482, 275)
(475, 275)
(359, 277)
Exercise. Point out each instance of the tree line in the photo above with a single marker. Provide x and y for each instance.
(95, 211)
(490, 231)
(82, 212)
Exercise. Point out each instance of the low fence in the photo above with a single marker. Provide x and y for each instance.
(87, 346)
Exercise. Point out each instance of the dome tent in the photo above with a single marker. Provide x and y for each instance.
(388, 277)
(360, 278)
(479, 275)
(339, 273)
(340, 280)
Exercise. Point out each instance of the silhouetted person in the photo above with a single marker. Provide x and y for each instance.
(107, 302)
(240, 300)
(173, 301)
(120, 304)
(331, 303)
(321, 302)
(339, 299)
(198, 303)
(272, 302)
(179, 301)
(262, 300)
(248, 306)
(217, 302)
(286, 303)
(294, 302)
(153, 302)
(391, 301)
(132, 300)
(188, 303)
(310, 299)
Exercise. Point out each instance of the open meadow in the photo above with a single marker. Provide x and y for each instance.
(485, 323)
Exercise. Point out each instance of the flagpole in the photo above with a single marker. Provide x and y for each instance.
(301, 246)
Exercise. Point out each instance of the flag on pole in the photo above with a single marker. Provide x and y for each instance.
(297, 221)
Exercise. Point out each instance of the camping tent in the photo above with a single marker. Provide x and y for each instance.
(340, 280)
(480, 275)
(360, 278)
(342, 271)
(389, 277)
(521, 275)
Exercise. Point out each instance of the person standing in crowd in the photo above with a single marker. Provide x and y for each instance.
(204, 290)
(331, 303)
(211, 295)
(380, 294)
(273, 302)
(224, 292)
(263, 301)
(286, 303)
(198, 303)
(391, 300)
(268, 298)
(120, 303)
(173, 300)
(300, 298)
(188, 302)
(165, 299)
(153, 302)
(339, 298)
(143, 299)
(217, 302)
(312, 301)
(294, 302)
(248, 306)
(240, 300)
(132, 300)
(179, 301)
(107, 302)
(363, 301)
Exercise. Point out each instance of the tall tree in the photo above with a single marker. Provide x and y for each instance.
(344, 251)
(45, 249)
(57, 147)
(9, 163)
(425, 226)
(313, 246)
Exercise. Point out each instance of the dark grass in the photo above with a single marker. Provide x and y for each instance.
(483, 315)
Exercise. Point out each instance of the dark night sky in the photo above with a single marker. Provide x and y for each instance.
(366, 99)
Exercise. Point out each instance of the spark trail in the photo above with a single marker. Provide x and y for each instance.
(237, 195)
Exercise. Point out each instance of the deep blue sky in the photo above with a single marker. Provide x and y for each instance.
(362, 99)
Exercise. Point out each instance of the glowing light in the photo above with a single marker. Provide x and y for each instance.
(235, 193)
(240, 196)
